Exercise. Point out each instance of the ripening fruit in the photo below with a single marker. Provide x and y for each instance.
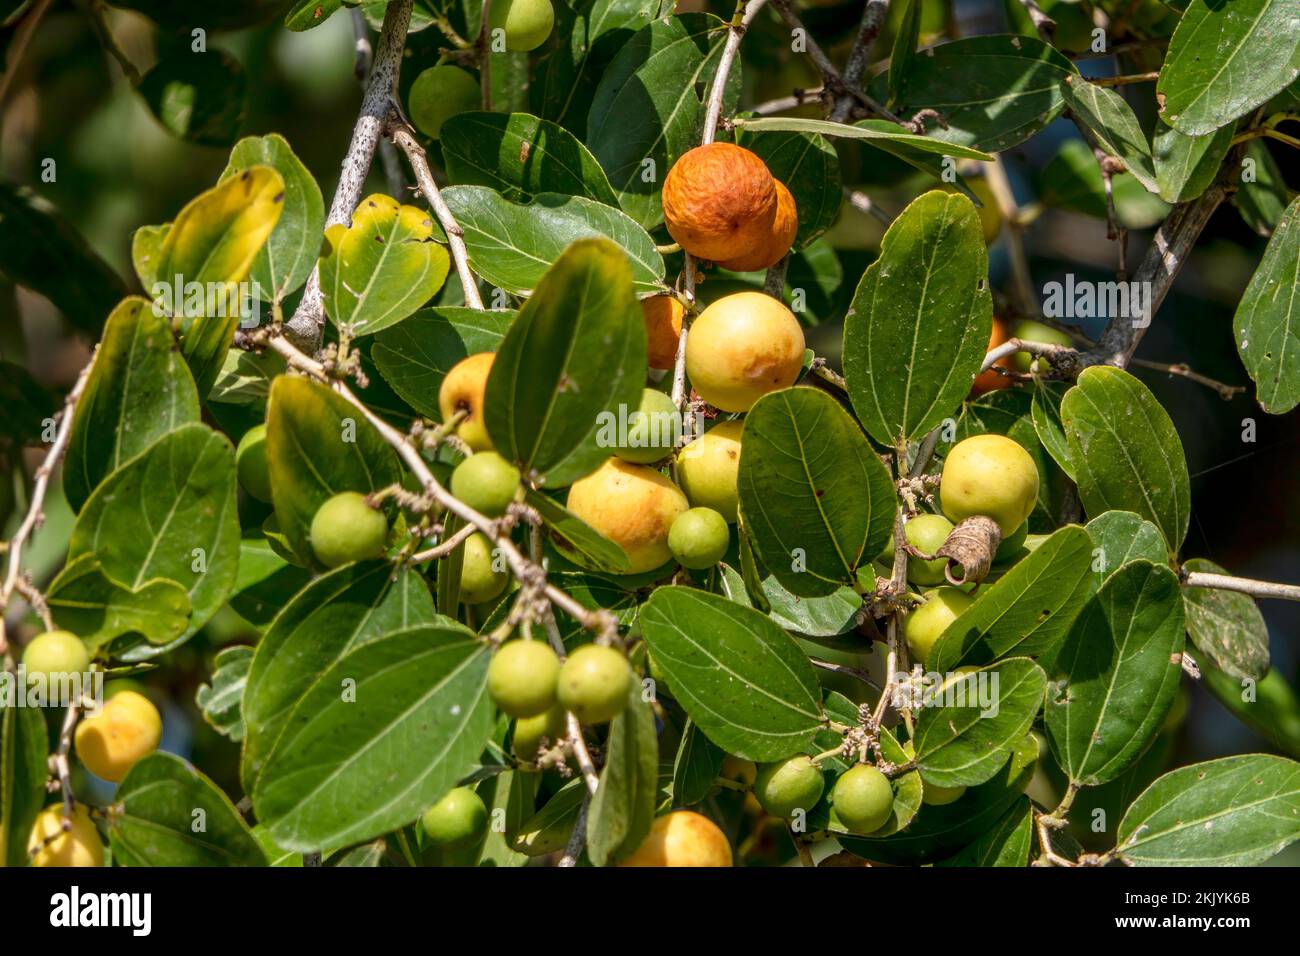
(80, 846)
(720, 202)
(632, 505)
(930, 794)
(779, 240)
(742, 347)
(682, 838)
(990, 380)
(462, 390)
(127, 729)
(250, 463)
(1032, 331)
(346, 528)
(739, 769)
(593, 683)
(989, 475)
(699, 538)
(652, 429)
(457, 820)
(927, 533)
(486, 482)
(527, 23)
(54, 653)
(522, 676)
(863, 799)
(479, 580)
(925, 624)
(438, 94)
(709, 467)
(663, 327)
(789, 785)
(530, 732)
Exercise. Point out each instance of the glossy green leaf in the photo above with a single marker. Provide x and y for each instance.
(807, 165)
(1261, 197)
(696, 766)
(1226, 626)
(1006, 843)
(305, 14)
(1186, 165)
(85, 600)
(623, 806)
(1046, 415)
(903, 51)
(1110, 119)
(146, 252)
(265, 577)
(1072, 180)
(1267, 323)
(549, 829)
(200, 97)
(870, 134)
(23, 770)
(827, 620)
(1119, 537)
(220, 701)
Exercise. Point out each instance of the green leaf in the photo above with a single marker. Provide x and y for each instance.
(1261, 200)
(1237, 811)
(1006, 843)
(146, 252)
(548, 830)
(903, 51)
(85, 600)
(1269, 707)
(1120, 537)
(1110, 119)
(521, 156)
(1126, 453)
(740, 677)
(245, 378)
(816, 499)
(1071, 180)
(826, 620)
(381, 268)
(172, 815)
(1027, 611)
(200, 97)
(420, 718)
(623, 806)
(512, 246)
(220, 701)
(917, 330)
(1225, 59)
(570, 533)
(966, 742)
(305, 14)
(1267, 323)
(646, 111)
(696, 766)
(1046, 415)
(24, 752)
(286, 260)
(168, 513)
(139, 390)
(870, 134)
(265, 577)
(574, 357)
(807, 165)
(1121, 664)
(317, 445)
(1225, 626)
(919, 155)
(1186, 165)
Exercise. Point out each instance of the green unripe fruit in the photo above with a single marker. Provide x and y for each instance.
(709, 469)
(926, 624)
(486, 482)
(935, 796)
(250, 463)
(54, 653)
(345, 528)
(521, 678)
(527, 23)
(530, 731)
(927, 533)
(594, 683)
(479, 581)
(788, 786)
(457, 820)
(1032, 331)
(989, 475)
(863, 799)
(652, 430)
(699, 538)
(438, 94)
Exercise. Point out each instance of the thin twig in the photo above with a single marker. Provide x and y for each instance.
(444, 548)
(581, 754)
(782, 103)
(864, 203)
(856, 673)
(873, 19)
(99, 20)
(1150, 77)
(1226, 392)
(995, 174)
(1228, 582)
(578, 838)
(1044, 24)
(740, 21)
(23, 34)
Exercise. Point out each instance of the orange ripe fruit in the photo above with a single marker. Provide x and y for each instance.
(720, 202)
(663, 328)
(990, 380)
(682, 838)
(779, 240)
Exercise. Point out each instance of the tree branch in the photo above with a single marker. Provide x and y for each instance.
(1228, 582)
(873, 19)
(740, 21)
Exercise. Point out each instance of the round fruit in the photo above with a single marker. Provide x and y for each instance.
(699, 538)
(522, 676)
(720, 202)
(682, 838)
(346, 528)
(863, 799)
(989, 475)
(742, 347)
(632, 505)
(531, 731)
(927, 533)
(79, 846)
(479, 580)
(990, 380)
(784, 228)
(438, 94)
(1032, 331)
(486, 482)
(250, 463)
(939, 796)
(788, 786)
(593, 683)
(663, 327)
(457, 820)
(926, 624)
(709, 467)
(652, 430)
(739, 769)
(527, 23)
(127, 729)
(54, 653)
(462, 390)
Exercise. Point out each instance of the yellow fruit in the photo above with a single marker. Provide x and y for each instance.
(720, 202)
(633, 506)
(663, 327)
(111, 742)
(80, 846)
(989, 475)
(682, 838)
(784, 228)
(709, 467)
(463, 389)
(742, 347)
